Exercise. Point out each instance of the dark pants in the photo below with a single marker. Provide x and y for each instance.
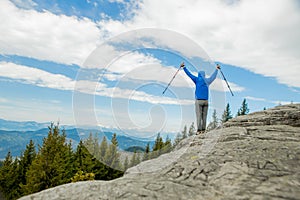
(201, 107)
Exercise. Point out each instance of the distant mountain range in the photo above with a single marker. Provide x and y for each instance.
(14, 136)
(16, 141)
(8, 125)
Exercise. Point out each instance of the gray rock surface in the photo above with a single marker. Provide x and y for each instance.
(253, 157)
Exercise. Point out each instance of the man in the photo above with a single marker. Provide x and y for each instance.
(201, 95)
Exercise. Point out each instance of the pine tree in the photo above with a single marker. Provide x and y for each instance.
(96, 147)
(244, 110)
(84, 160)
(112, 155)
(48, 169)
(26, 160)
(13, 180)
(5, 173)
(226, 114)
(215, 119)
(114, 140)
(13, 173)
(192, 130)
(133, 159)
(177, 139)
(138, 158)
(158, 145)
(88, 165)
(103, 148)
(89, 143)
(167, 147)
(184, 132)
(9, 178)
(147, 152)
(126, 163)
(214, 123)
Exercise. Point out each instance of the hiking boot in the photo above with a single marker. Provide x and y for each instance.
(199, 132)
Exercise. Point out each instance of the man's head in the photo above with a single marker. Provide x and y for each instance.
(201, 73)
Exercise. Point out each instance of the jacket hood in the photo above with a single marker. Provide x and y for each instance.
(201, 73)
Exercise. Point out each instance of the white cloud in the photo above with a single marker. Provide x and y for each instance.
(25, 4)
(276, 102)
(220, 85)
(261, 36)
(117, 1)
(3, 100)
(255, 98)
(141, 96)
(157, 73)
(138, 67)
(33, 76)
(35, 109)
(46, 36)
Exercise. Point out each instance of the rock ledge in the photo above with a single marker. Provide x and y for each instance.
(253, 157)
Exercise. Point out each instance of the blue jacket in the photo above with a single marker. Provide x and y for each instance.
(201, 83)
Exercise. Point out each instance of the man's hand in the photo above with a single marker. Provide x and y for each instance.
(218, 66)
(182, 65)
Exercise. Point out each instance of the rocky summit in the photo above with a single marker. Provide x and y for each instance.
(256, 156)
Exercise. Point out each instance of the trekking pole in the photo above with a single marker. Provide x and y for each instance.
(225, 80)
(172, 78)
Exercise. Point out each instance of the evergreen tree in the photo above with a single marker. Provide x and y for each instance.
(112, 155)
(89, 144)
(48, 169)
(8, 160)
(96, 147)
(214, 119)
(192, 130)
(126, 164)
(84, 159)
(103, 148)
(147, 152)
(244, 110)
(138, 158)
(13, 180)
(214, 123)
(177, 139)
(226, 114)
(5, 172)
(184, 132)
(114, 140)
(13, 173)
(9, 178)
(26, 160)
(87, 165)
(70, 161)
(158, 145)
(54, 164)
(167, 147)
(133, 159)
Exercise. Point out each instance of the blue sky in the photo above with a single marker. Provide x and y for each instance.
(63, 60)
